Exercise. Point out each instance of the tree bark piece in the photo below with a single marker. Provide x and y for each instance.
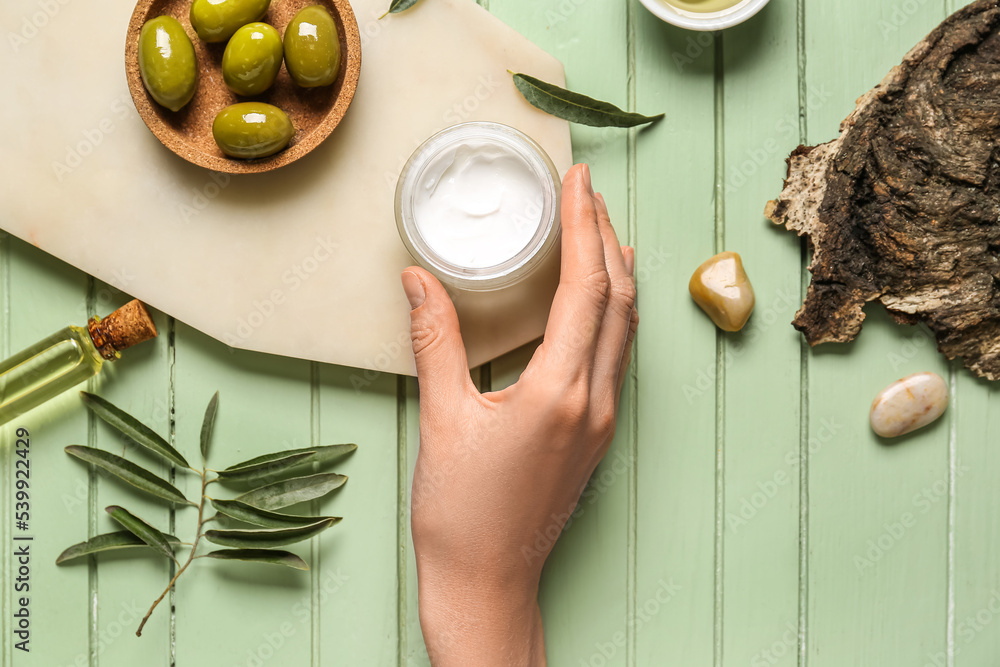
(904, 206)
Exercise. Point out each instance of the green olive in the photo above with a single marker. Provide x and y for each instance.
(252, 129)
(167, 62)
(312, 48)
(252, 59)
(218, 20)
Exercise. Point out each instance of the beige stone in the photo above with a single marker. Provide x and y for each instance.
(909, 404)
(722, 289)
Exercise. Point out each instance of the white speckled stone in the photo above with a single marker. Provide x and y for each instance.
(909, 404)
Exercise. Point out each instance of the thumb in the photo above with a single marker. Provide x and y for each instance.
(442, 365)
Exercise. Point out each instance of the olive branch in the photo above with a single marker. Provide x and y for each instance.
(268, 479)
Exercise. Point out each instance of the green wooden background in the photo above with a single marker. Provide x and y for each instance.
(745, 515)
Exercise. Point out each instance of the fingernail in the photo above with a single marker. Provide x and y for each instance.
(629, 254)
(586, 178)
(599, 197)
(414, 289)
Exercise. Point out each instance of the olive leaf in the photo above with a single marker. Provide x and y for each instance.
(132, 428)
(208, 425)
(121, 539)
(293, 491)
(129, 472)
(574, 107)
(266, 538)
(273, 557)
(267, 470)
(317, 455)
(255, 507)
(249, 514)
(142, 530)
(398, 6)
(321, 454)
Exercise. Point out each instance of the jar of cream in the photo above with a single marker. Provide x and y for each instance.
(477, 205)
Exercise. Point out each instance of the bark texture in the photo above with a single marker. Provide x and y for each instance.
(904, 206)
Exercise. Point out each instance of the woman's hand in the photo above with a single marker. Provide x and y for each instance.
(496, 470)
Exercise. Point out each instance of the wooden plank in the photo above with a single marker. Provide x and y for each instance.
(139, 383)
(761, 368)
(46, 295)
(584, 587)
(356, 580)
(676, 486)
(973, 636)
(240, 613)
(876, 522)
(974, 630)
(412, 651)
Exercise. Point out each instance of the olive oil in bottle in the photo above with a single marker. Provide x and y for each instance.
(68, 357)
(703, 6)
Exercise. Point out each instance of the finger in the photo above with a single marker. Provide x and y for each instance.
(442, 366)
(618, 314)
(627, 355)
(629, 254)
(614, 254)
(580, 300)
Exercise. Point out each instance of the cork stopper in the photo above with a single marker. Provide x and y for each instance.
(127, 326)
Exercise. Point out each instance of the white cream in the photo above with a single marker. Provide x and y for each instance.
(478, 204)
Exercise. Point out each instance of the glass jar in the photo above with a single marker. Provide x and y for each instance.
(477, 205)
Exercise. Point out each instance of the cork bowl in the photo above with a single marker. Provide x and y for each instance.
(315, 112)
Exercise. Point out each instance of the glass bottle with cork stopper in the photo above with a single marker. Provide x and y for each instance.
(68, 357)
